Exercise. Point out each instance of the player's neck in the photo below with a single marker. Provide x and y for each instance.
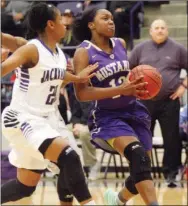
(49, 42)
(102, 43)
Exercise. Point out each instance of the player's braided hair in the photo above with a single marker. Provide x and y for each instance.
(80, 27)
(37, 17)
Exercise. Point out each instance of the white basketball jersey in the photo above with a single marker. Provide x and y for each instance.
(36, 90)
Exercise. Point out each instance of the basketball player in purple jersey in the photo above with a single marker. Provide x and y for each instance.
(117, 122)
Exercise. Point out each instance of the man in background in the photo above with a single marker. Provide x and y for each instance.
(168, 57)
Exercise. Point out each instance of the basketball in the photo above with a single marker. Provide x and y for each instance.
(151, 75)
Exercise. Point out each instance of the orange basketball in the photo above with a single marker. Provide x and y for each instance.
(151, 75)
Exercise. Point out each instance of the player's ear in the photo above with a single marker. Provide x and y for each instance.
(91, 25)
(50, 24)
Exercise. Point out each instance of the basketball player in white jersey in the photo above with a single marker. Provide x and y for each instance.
(32, 123)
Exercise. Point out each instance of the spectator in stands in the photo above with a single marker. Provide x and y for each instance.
(184, 123)
(18, 9)
(68, 40)
(88, 3)
(3, 92)
(121, 13)
(6, 95)
(80, 113)
(53, 2)
(168, 57)
(7, 23)
(9, 93)
(3, 97)
(7, 78)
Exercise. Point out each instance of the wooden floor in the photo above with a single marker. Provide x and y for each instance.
(45, 193)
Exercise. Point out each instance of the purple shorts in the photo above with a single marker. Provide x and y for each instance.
(134, 120)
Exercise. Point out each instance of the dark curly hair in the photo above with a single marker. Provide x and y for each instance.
(37, 17)
(80, 27)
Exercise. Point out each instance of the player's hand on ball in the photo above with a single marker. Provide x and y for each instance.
(151, 76)
(135, 88)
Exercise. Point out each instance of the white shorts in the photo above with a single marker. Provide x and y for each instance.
(26, 132)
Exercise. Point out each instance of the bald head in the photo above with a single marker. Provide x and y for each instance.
(159, 31)
(158, 22)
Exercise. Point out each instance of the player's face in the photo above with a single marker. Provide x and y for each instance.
(57, 27)
(104, 24)
(159, 31)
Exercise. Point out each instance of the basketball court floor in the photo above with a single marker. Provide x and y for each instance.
(46, 194)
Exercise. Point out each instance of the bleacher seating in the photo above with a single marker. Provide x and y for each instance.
(75, 7)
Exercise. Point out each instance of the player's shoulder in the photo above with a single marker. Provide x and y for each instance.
(27, 49)
(119, 40)
(33, 41)
(81, 54)
(86, 44)
(175, 43)
(35, 44)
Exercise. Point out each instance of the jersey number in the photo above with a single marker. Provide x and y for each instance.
(114, 83)
(52, 96)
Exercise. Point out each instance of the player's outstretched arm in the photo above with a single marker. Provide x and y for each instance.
(26, 55)
(12, 43)
(4, 54)
(83, 76)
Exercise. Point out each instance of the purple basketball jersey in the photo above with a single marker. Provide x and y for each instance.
(112, 71)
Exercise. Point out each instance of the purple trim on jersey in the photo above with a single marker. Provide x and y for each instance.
(112, 71)
(47, 47)
(24, 79)
(26, 129)
(104, 149)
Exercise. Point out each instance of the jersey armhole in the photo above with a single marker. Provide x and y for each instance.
(89, 57)
(39, 56)
(86, 45)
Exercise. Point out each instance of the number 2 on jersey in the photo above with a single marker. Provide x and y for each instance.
(120, 81)
(52, 96)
